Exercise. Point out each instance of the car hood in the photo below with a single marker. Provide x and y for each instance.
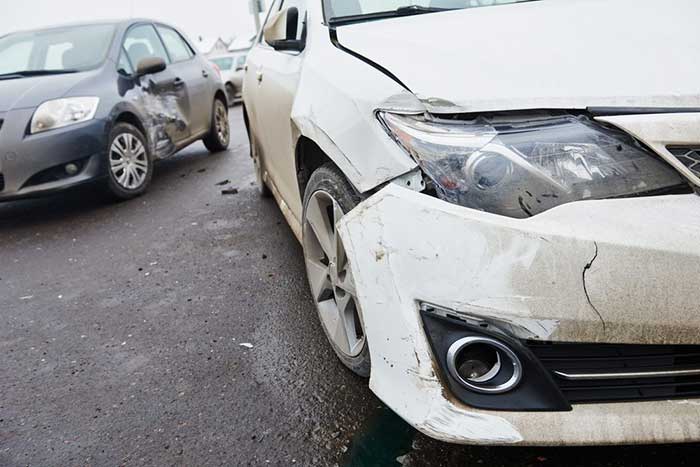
(30, 92)
(543, 54)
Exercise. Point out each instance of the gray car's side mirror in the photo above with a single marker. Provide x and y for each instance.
(150, 65)
(282, 30)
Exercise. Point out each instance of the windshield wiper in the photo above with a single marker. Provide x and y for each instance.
(409, 10)
(32, 73)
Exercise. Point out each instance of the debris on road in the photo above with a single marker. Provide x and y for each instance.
(224, 182)
(230, 191)
(247, 345)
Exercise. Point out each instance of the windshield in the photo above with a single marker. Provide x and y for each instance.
(69, 49)
(338, 9)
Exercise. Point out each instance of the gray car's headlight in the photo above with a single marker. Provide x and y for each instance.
(63, 112)
(522, 166)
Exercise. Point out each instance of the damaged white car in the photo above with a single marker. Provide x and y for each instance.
(497, 203)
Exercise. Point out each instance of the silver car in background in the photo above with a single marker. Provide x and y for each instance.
(231, 66)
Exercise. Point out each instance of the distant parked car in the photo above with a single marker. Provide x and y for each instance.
(102, 102)
(231, 67)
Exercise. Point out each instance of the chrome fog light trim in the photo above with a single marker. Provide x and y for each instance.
(506, 360)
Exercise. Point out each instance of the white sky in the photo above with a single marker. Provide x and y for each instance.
(212, 18)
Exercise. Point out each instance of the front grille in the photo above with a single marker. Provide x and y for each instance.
(689, 157)
(617, 373)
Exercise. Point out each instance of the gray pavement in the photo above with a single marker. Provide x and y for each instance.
(122, 329)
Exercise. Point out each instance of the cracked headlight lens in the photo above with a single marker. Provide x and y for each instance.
(63, 112)
(522, 166)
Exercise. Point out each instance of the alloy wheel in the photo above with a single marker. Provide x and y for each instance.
(128, 161)
(330, 277)
(221, 122)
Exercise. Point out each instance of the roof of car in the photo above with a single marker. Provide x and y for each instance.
(115, 22)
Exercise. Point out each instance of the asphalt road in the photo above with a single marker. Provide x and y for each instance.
(176, 329)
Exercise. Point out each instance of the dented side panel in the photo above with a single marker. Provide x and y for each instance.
(560, 276)
(337, 111)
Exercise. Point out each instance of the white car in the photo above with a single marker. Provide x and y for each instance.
(497, 204)
(231, 67)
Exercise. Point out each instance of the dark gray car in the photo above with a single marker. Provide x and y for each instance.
(102, 102)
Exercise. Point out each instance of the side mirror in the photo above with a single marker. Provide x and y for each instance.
(282, 30)
(150, 65)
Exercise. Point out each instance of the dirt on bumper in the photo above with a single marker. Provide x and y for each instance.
(597, 271)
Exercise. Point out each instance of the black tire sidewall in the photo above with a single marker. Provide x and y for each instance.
(231, 94)
(259, 166)
(330, 180)
(211, 140)
(113, 187)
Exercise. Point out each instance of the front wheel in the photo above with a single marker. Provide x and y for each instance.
(219, 136)
(328, 197)
(130, 165)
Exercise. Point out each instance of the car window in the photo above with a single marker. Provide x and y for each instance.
(76, 48)
(177, 48)
(274, 8)
(143, 42)
(340, 8)
(124, 65)
(15, 57)
(225, 64)
(54, 55)
(301, 6)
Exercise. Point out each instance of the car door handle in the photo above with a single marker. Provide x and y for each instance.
(178, 82)
(259, 76)
(205, 73)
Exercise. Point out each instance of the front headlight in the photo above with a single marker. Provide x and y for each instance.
(522, 166)
(63, 112)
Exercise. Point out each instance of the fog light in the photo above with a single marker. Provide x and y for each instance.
(72, 169)
(484, 365)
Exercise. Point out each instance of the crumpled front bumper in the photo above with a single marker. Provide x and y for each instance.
(612, 271)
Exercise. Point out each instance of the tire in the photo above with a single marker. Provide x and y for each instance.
(330, 277)
(219, 135)
(231, 94)
(129, 163)
(263, 189)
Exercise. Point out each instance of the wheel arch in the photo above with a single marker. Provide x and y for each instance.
(309, 157)
(131, 118)
(220, 95)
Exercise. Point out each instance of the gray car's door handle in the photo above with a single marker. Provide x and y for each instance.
(205, 73)
(259, 76)
(178, 82)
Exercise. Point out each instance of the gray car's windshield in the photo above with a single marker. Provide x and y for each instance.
(340, 11)
(61, 50)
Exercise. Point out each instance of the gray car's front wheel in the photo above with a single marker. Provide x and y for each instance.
(328, 197)
(129, 162)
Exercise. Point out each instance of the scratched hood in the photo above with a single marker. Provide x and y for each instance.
(26, 93)
(542, 54)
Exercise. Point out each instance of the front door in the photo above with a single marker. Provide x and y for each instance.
(277, 76)
(196, 76)
(163, 97)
